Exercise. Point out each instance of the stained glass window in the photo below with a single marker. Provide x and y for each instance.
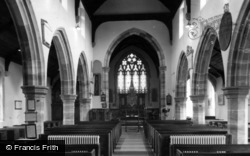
(131, 73)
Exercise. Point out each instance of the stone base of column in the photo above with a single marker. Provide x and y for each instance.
(237, 113)
(68, 109)
(198, 109)
(180, 108)
(84, 109)
(37, 95)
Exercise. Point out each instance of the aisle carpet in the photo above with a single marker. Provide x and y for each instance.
(132, 143)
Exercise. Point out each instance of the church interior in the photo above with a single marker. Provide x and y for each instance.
(127, 77)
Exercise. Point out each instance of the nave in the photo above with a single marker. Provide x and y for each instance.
(133, 143)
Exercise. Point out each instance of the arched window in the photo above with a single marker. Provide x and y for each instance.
(131, 72)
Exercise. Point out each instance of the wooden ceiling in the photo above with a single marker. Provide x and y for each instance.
(216, 68)
(101, 11)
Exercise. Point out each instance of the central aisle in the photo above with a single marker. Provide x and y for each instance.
(133, 143)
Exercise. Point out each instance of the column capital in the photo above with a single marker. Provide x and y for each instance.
(197, 97)
(163, 68)
(105, 69)
(85, 100)
(236, 91)
(35, 90)
(180, 99)
(68, 97)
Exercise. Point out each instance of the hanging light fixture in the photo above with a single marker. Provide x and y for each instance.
(188, 15)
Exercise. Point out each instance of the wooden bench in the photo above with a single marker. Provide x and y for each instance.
(79, 143)
(109, 133)
(232, 148)
(180, 153)
(116, 131)
(50, 124)
(12, 133)
(159, 134)
(81, 153)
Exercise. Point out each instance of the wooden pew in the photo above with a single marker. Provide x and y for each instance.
(12, 133)
(180, 153)
(81, 153)
(50, 124)
(149, 125)
(159, 134)
(116, 132)
(232, 148)
(107, 133)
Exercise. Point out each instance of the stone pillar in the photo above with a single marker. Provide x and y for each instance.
(36, 95)
(84, 109)
(237, 113)
(106, 83)
(198, 108)
(162, 90)
(68, 109)
(180, 108)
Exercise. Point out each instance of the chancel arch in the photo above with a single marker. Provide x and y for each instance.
(237, 84)
(181, 87)
(137, 44)
(147, 41)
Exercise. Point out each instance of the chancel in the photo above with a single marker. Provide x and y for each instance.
(126, 77)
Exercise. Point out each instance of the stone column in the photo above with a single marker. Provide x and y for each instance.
(162, 90)
(237, 113)
(68, 109)
(198, 108)
(36, 95)
(84, 109)
(106, 83)
(180, 108)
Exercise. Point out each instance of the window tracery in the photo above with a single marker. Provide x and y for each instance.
(132, 72)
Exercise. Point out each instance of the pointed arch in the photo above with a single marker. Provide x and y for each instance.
(182, 75)
(135, 31)
(239, 54)
(202, 60)
(83, 76)
(153, 42)
(30, 42)
(64, 55)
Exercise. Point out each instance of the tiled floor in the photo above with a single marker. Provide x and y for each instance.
(132, 143)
